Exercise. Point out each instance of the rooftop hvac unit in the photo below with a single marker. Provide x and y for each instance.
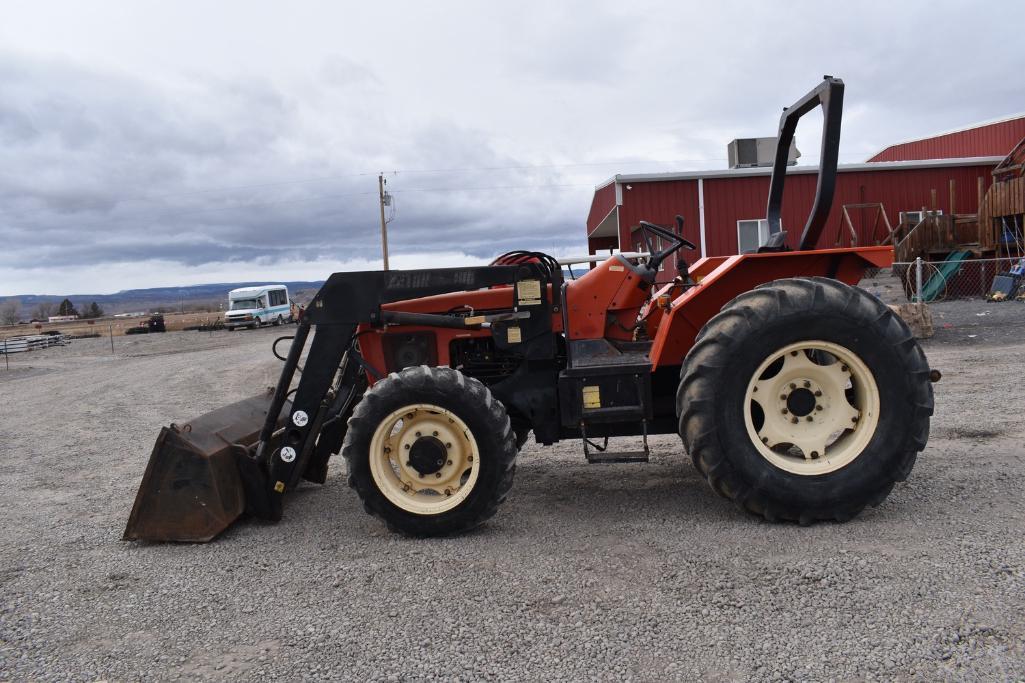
(752, 152)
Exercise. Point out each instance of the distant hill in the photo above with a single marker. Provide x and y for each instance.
(132, 300)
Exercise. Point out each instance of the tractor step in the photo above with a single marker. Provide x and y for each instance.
(601, 454)
(603, 457)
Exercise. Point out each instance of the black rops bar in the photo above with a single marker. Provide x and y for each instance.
(828, 94)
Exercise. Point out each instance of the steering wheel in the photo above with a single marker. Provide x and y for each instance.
(650, 230)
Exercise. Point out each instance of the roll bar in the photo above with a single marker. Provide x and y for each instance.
(828, 94)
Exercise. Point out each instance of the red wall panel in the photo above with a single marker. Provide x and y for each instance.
(728, 200)
(996, 139)
(731, 199)
(659, 203)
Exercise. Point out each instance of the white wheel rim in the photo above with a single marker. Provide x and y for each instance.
(399, 467)
(818, 416)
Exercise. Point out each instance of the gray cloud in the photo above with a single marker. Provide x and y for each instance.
(105, 169)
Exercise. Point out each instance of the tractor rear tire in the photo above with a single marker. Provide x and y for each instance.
(843, 410)
(430, 451)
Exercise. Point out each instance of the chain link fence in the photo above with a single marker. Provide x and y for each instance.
(961, 278)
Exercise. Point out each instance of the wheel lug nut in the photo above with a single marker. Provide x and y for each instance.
(814, 454)
(469, 458)
(818, 407)
(418, 434)
(854, 419)
(793, 386)
(449, 462)
(794, 420)
(810, 418)
(784, 411)
(765, 439)
(448, 445)
(782, 397)
(807, 384)
(438, 475)
(406, 446)
(448, 492)
(818, 392)
(434, 433)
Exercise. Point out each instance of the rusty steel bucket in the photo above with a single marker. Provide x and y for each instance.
(193, 489)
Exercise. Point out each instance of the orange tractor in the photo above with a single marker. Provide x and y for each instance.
(797, 395)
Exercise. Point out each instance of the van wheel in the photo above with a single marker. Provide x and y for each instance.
(279, 321)
(256, 325)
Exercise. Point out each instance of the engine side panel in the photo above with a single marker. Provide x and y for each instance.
(612, 292)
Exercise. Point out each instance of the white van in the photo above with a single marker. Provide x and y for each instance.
(255, 306)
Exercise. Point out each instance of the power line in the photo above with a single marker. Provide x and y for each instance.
(331, 178)
(465, 169)
(151, 219)
(495, 187)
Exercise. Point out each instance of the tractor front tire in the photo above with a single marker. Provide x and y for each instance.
(805, 400)
(430, 451)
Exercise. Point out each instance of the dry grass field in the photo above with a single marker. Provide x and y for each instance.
(106, 326)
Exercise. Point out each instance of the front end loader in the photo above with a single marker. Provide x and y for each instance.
(797, 395)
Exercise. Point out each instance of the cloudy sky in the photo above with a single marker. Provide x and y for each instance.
(169, 143)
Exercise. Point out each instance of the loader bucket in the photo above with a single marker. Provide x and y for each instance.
(192, 489)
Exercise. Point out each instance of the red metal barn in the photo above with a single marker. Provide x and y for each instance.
(724, 210)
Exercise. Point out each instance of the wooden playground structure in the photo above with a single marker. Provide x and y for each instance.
(995, 231)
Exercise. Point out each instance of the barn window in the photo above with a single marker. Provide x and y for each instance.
(752, 234)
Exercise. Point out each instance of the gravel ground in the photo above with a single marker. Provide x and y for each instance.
(588, 572)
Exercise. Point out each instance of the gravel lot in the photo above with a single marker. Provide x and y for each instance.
(588, 572)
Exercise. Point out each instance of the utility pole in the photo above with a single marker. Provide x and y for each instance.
(384, 225)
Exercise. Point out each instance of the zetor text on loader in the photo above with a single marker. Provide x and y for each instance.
(798, 396)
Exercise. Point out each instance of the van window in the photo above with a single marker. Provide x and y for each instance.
(245, 304)
(277, 297)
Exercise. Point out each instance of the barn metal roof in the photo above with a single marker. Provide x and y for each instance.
(953, 131)
(765, 170)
